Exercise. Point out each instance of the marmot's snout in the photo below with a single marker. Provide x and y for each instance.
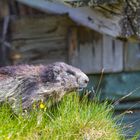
(83, 80)
(74, 76)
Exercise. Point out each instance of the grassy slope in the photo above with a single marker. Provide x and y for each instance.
(71, 120)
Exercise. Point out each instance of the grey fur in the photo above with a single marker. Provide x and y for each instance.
(26, 84)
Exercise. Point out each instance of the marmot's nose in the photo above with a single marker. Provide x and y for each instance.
(86, 80)
(83, 80)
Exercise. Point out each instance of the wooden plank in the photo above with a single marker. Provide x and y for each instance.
(40, 27)
(112, 54)
(86, 53)
(132, 57)
(94, 52)
(25, 10)
(39, 51)
(28, 45)
(39, 40)
(4, 8)
(72, 46)
(41, 58)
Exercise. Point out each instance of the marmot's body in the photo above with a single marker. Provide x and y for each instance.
(26, 84)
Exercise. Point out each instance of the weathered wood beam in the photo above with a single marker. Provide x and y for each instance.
(86, 16)
(119, 19)
(130, 25)
(46, 6)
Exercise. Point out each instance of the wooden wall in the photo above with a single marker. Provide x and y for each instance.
(56, 38)
(45, 39)
(69, 42)
(38, 37)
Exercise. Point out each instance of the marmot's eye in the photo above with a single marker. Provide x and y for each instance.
(48, 76)
(70, 72)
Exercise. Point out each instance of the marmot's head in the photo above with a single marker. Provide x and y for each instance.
(64, 76)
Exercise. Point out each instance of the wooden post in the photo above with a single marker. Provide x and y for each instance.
(72, 45)
(4, 18)
(112, 54)
(4, 8)
(85, 50)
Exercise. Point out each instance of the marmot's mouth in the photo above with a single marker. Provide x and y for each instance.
(81, 88)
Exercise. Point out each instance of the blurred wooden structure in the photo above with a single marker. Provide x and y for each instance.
(34, 37)
(60, 39)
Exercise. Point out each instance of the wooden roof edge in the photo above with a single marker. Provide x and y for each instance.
(98, 19)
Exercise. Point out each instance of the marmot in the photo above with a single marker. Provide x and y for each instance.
(26, 84)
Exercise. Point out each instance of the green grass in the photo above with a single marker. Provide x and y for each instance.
(71, 120)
